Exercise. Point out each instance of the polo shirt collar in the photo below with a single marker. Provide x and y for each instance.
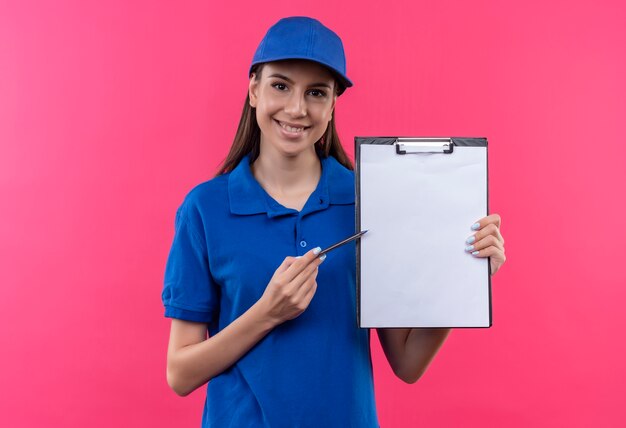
(246, 196)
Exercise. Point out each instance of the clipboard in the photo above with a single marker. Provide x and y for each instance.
(418, 197)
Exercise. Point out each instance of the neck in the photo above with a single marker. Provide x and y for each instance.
(287, 174)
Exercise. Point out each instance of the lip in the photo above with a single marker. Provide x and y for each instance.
(291, 135)
(293, 125)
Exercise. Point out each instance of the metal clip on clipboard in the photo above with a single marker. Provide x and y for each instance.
(423, 145)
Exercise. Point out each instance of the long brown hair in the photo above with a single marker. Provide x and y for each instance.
(248, 137)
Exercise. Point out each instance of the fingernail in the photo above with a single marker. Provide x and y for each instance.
(297, 257)
(476, 226)
(475, 253)
(469, 248)
(470, 240)
(317, 250)
(323, 257)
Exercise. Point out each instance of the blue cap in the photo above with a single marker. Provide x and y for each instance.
(300, 37)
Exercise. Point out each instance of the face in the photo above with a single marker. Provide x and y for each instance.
(294, 102)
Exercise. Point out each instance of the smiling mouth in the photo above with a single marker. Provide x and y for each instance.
(291, 129)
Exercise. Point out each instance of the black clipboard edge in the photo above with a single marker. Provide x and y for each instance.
(457, 141)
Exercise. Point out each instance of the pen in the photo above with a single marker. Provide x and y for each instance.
(345, 241)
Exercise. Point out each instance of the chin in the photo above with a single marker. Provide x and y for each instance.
(293, 150)
(291, 153)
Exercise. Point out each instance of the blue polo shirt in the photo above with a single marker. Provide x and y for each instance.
(230, 237)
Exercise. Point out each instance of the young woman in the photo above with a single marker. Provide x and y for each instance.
(283, 347)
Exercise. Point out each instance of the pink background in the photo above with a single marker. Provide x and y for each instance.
(111, 111)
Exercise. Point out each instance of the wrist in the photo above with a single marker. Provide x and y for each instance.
(263, 316)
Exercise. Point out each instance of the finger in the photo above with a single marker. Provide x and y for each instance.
(288, 261)
(490, 229)
(487, 241)
(310, 293)
(489, 252)
(490, 219)
(295, 284)
(300, 263)
(306, 286)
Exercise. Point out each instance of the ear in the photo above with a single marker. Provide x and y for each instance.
(253, 87)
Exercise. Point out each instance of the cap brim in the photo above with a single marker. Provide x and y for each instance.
(347, 83)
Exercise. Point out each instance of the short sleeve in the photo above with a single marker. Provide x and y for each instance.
(189, 292)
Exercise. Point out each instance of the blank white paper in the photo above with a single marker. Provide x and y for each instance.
(418, 210)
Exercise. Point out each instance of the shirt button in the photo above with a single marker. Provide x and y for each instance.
(303, 244)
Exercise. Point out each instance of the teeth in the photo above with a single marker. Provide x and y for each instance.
(291, 128)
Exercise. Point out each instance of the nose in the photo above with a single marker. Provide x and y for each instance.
(296, 105)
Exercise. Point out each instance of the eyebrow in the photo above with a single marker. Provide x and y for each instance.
(291, 81)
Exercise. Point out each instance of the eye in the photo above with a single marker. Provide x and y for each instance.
(318, 93)
(280, 86)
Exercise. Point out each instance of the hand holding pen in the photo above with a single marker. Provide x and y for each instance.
(294, 283)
